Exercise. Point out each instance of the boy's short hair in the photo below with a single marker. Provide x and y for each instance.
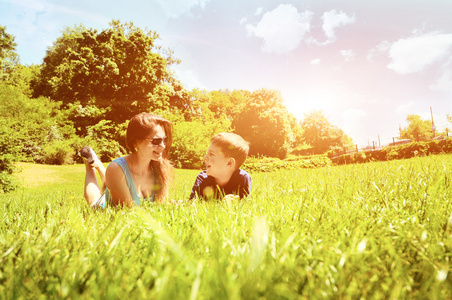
(232, 145)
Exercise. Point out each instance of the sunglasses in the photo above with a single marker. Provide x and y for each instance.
(158, 141)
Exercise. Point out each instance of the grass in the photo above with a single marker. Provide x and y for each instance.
(371, 231)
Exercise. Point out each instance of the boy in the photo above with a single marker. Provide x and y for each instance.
(223, 177)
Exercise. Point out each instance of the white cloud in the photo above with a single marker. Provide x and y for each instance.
(444, 83)
(189, 78)
(404, 108)
(176, 8)
(37, 23)
(414, 54)
(332, 20)
(282, 29)
(353, 115)
(315, 61)
(352, 120)
(29, 4)
(348, 55)
(33, 8)
(383, 47)
(259, 11)
(86, 15)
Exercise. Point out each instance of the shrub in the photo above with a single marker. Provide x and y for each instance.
(104, 138)
(266, 164)
(9, 153)
(191, 140)
(31, 123)
(398, 152)
(7, 181)
(58, 153)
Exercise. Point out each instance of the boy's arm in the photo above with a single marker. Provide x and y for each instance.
(245, 187)
(196, 189)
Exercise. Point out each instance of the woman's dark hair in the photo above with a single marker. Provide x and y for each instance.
(142, 126)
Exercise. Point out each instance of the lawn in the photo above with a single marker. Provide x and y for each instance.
(375, 230)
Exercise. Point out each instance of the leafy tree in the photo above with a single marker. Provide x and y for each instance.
(449, 119)
(108, 139)
(264, 122)
(31, 123)
(191, 140)
(115, 71)
(8, 56)
(22, 76)
(193, 129)
(11, 71)
(6, 42)
(228, 102)
(320, 134)
(417, 129)
(7, 157)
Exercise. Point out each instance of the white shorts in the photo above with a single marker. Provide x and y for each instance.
(99, 203)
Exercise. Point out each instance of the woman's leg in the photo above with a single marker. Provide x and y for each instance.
(92, 190)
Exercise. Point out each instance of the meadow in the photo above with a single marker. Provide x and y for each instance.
(362, 231)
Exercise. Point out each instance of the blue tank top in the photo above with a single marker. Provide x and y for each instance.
(130, 184)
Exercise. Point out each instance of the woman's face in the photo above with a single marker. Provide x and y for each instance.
(154, 144)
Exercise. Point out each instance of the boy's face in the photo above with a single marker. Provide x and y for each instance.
(216, 161)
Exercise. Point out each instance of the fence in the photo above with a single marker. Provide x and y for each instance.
(376, 146)
(344, 150)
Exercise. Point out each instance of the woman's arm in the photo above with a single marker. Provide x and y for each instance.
(116, 182)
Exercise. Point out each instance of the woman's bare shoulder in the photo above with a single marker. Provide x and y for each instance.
(114, 172)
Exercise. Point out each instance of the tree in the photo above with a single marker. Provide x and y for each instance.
(28, 127)
(228, 102)
(449, 119)
(264, 122)
(6, 42)
(116, 71)
(193, 129)
(417, 129)
(320, 134)
(8, 56)
(33, 122)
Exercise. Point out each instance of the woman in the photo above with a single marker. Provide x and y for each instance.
(144, 174)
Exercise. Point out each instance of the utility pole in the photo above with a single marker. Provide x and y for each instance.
(400, 132)
(433, 123)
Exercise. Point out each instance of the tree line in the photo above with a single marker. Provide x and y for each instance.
(91, 82)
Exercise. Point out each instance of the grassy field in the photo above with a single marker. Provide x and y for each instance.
(370, 231)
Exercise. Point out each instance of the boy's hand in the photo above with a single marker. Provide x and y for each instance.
(231, 197)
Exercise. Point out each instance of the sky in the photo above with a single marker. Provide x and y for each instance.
(365, 64)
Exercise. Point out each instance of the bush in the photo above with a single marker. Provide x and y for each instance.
(9, 153)
(104, 138)
(398, 152)
(191, 140)
(7, 181)
(58, 153)
(266, 164)
(31, 124)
